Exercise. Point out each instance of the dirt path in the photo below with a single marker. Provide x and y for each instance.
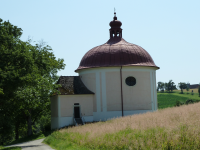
(33, 145)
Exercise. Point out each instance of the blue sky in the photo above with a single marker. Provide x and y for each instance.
(168, 30)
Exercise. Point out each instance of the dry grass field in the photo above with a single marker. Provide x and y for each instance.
(170, 128)
(169, 118)
(184, 90)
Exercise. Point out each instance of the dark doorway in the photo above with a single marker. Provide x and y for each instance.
(76, 112)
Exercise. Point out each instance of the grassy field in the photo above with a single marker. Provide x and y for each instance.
(10, 148)
(170, 128)
(169, 99)
(185, 91)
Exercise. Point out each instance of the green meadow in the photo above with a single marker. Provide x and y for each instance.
(166, 100)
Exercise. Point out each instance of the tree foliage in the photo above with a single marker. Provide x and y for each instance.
(170, 86)
(27, 79)
(187, 88)
(199, 89)
(182, 85)
(161, 86)
(15, 67)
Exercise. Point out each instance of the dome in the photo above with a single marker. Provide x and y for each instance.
(116, 52)
(115, 23)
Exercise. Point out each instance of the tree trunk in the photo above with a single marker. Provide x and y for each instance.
(29, 122)
(16, 131)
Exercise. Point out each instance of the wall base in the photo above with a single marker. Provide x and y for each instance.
(61, 122)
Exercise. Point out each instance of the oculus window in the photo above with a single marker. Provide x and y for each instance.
(130, 81)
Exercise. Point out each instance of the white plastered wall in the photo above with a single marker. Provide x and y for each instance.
(67, 104)
(137, 99)
(65, 109)
(89, 79)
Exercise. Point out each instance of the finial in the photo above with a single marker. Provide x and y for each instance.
(115, 18)
(114, 13)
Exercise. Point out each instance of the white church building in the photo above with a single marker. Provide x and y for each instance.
(115, 79)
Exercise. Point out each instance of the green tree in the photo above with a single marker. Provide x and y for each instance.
(199, 89)
(159, 86)
(162, 86)
(35, 96)
(187, 88)
(27, 79)
(167, 87)
(15, 66)
(171, 85)
(182, 85)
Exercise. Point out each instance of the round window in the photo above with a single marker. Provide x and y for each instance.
(130, 81)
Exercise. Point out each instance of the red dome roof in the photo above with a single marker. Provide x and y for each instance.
(116, 52)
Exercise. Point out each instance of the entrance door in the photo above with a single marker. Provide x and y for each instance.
(76, 112)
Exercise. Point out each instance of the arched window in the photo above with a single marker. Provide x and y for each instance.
(118, 33)
(113, 33)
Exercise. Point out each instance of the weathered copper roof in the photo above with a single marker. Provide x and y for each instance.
(72, 85)
(116, 52)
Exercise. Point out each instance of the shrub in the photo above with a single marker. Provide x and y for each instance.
(178, 103)
(189, 101)
(192, 93)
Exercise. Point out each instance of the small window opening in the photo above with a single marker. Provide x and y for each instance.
(130, 81)
(117, 33)
(113, 33)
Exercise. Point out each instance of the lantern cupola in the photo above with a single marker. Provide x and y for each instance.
(115, 30)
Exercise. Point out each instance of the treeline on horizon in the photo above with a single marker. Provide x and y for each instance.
(170, 86)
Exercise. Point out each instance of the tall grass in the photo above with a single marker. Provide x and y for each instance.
(171, 128)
